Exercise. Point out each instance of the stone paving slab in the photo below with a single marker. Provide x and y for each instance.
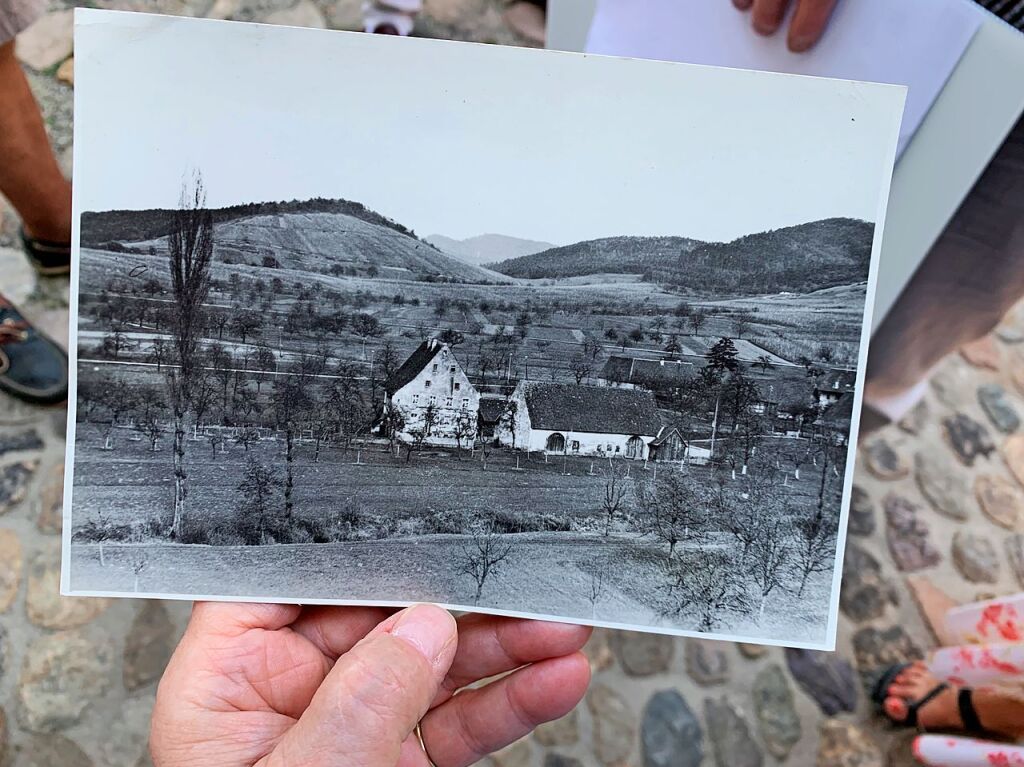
(938, 509)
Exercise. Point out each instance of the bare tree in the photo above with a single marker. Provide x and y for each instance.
(159, 353)
(580, 366)
(216, 439)
(247, 436)
(614, 495)
(769, 557)
(764, 362)
(698, 319)
(190, 250)
(151, 411)
(291, 405)
(202, 395)
(348, 409)
(421, 432)
(246, 324)
(265, 362)
(597, 590)
(483, 556)
(709, 584)
(463, 428)
(816, 547)
(741, 322)
(674, 507)
(510, 420)
(393, 425)
(115, 343)
(118, 398)
(258, 486)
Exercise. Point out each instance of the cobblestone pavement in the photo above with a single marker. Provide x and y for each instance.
(939, 507)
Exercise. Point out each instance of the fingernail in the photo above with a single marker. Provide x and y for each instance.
(801, 43)
(429, 629)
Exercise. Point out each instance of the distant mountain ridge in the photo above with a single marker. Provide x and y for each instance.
(487, 248)
(802, 258)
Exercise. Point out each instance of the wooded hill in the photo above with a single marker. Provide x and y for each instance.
(799, 259)
(139, 225)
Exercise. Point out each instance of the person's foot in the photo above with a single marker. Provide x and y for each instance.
(49, 258)
(915, 683)
(32, 367)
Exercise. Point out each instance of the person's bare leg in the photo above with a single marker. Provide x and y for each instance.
(1000, 710)
(971, 277)
(29, 175)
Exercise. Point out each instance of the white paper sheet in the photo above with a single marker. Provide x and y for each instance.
(916, 43)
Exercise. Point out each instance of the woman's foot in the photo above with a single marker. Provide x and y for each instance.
(916, 683)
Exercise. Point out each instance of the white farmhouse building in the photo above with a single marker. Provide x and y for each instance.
(580, 420)
(434, 396)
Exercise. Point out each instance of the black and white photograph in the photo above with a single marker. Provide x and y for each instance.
(379, 320)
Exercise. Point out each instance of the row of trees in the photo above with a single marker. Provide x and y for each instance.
(730, 545)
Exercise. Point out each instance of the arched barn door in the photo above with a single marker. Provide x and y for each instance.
(556, 443)
(635, 448)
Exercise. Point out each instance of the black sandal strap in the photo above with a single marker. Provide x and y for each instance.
(47, 256)
(968, 715)
(910, 720)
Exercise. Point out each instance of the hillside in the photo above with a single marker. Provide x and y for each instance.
(802, 258)
(326, 236)
(487, 248)
(615, 255)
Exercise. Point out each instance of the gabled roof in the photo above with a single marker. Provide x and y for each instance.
(622, 369)
(591, 409)
(492, 408)
(790, 389)
(414, 365)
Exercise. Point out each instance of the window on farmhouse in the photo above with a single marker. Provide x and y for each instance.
(448, 402)
(458, 386)
(433, 400)
(415, 398)
(465, 403)
(435, 368)
(426, 384)
(453, 370)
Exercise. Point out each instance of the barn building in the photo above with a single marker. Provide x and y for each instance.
(673, 445)
(623, 372)
(566, 419)
(434, 396)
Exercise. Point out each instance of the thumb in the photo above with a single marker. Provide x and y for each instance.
(375, 695)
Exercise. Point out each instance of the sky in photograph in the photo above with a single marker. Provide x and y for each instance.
(460, 140)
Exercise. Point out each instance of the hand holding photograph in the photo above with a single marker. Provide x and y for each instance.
(374, 320)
